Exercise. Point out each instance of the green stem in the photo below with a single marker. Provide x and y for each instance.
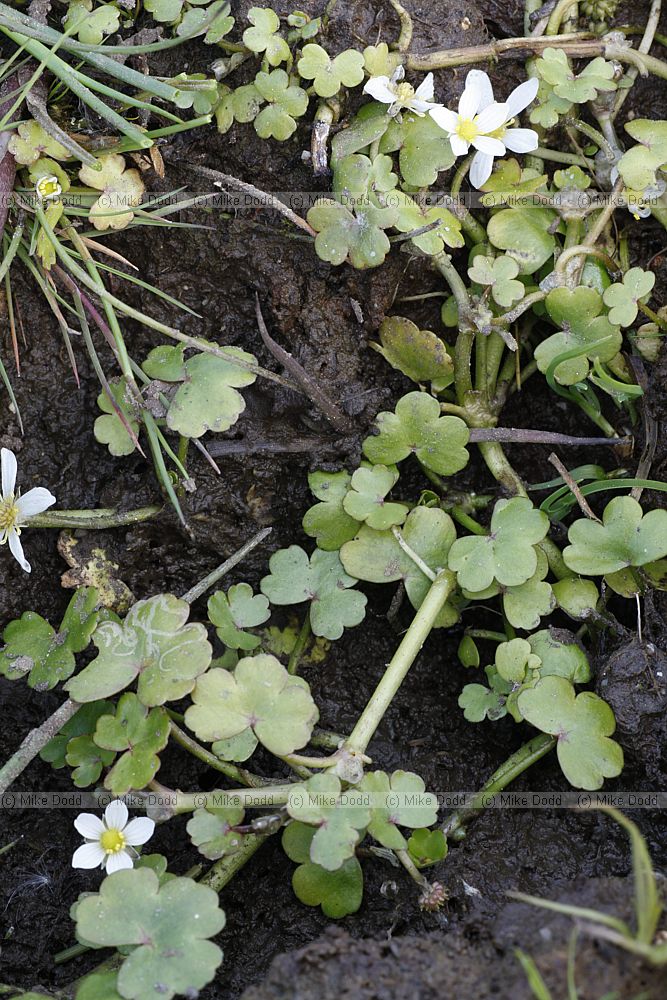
(528, 754)
(463, 364)
(412, 870)
(592, 133)
(230, 770)
(559, 156)
(224, 870)
(444, 264)
(561, 9)
(405, 37)
(248, 798)
(401, 661)
(326, 740)
(93, 519)
(500, 468)
(495, 348)
(485, 633)
(299, 645)
(466, 521)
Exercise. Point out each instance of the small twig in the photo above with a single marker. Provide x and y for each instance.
(574, 489)
(308, 385)
(248, 446)
(416, 232)
(200, 588)
(226, 180)
(517, 435)
(35, 98)
(35, 741)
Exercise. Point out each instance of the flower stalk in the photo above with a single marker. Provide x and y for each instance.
(402, 660)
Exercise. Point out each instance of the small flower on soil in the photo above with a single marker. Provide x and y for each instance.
(110, 842)
(16, 510)
(483, 123)
(397, 94)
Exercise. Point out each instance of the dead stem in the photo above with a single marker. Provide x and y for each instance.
(574, 489)
(308, 385)
(519, 435)
(226, 180)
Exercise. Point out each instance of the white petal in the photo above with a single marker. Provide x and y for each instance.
(16, 550)
(8, 464)
(446, 119)
(378, 87)
(138, 831)
(88, 856)
(424, 91)
(486, 144)
(116, 862)
(398, 73)
(89, 826)
(34, 502)
(471, 97)
(459, 146)
(419, 107)
(520, 140)
(480, 169)
(484, 85)
(115, 815)
(521, 97)
(491, 118)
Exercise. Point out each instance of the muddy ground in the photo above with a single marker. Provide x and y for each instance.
(467, 949)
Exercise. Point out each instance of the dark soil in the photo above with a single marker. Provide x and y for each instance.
(312, 310)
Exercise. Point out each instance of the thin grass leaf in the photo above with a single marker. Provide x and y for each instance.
(12, 21)
(160, 467)
(648, 907)
(8, 386)
(535, 981)
(64, 71)
(99, 371)
(578, 912)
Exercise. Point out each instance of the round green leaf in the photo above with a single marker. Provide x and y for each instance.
(417, 428)
(169, 925)
(582, 725)
(154, 645)
(259, 695)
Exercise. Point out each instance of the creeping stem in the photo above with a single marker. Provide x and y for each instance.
(401, 661)
(515, 765)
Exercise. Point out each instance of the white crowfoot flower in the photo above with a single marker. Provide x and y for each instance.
(483, 123)
(397, 95)
(110, 842)
(16, 510)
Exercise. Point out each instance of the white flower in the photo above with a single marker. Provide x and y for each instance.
(110, 842)
(48, 188)
(16, 510)
(402, 95)
(484, 124)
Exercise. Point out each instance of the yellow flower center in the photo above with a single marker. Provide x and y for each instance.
(467, 129)
(112, 841)
(405, 92)
(9, 515)
(48, 187)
